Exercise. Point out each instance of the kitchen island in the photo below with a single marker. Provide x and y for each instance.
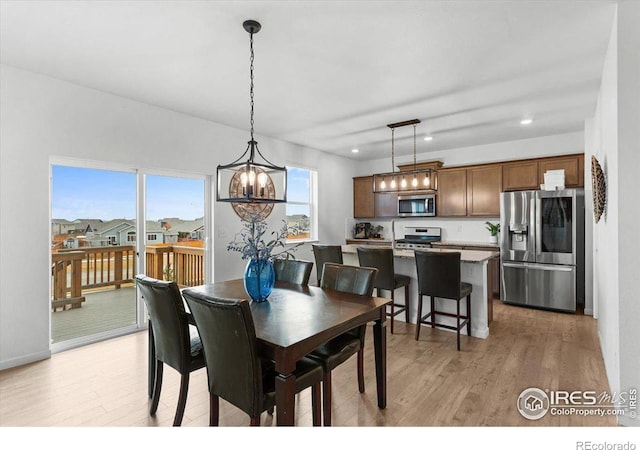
(477, 268)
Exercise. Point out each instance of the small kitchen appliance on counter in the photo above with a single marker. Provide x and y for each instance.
(363, 230)
(418, 237)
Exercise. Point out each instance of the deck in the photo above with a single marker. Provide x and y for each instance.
(101, 311)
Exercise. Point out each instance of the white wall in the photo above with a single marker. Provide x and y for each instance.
(615, 136)
(44, 118)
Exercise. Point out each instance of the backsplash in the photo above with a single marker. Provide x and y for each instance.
(464, 229)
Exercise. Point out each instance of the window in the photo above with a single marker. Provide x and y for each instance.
(131, 236)
(152, 237)
(301, 204)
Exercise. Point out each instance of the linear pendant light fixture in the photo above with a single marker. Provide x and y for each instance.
(409, 180)
(251, 185)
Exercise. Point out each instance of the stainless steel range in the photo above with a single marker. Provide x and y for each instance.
(418, 237)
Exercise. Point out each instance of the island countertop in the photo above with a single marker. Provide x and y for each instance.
(469, 256)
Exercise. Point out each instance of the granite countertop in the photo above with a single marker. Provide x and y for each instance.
(473, 256)
(466, 244)
(370, 240)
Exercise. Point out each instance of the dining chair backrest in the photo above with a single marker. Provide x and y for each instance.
(438, 274)
(326, 254)
(293, 271)
(381, 259)
(170, 326)
(228, 338)
(351, 279)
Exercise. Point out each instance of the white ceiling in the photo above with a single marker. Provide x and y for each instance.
(331, 75)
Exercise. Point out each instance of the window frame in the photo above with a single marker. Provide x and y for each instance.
(313, 203)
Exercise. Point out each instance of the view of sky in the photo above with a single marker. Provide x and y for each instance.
(79, 193)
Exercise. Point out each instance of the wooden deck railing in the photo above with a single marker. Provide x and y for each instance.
(182, 264)
(74, 270)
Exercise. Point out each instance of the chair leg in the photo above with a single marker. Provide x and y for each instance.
(433, 311)
(255, 421)
(152, 361)
(157, 387)
(326, 399)
(316, 401)
(214, 410)
(406, 303)
(182, 399)
(393, 303)
(469, 315)
(419, 318)
(458, 323)
(361, 370)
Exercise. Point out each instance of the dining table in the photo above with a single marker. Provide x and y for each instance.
(296, 319)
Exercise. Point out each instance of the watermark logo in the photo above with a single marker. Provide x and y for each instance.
(533, 403)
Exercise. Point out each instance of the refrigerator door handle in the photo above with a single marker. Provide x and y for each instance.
(553, 267)
(515, 265)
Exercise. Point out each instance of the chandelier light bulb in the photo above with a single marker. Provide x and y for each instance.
(403, 183)
(414, 182)
(252, 177)
(426, 180)
(262, 179)
(243, 178)
(393, 183)
(383, 184)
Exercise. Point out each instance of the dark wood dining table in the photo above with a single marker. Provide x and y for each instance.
(297, 319)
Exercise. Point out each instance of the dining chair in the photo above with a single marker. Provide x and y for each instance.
(235, 371)
(439, 276)
(293, 271)
(354, 280)
(326, 254)
(387, 279)
(175, 342)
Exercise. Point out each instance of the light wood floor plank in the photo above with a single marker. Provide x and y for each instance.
(429, 382)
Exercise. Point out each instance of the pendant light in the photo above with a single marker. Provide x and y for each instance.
(251, 184)
(409, 180)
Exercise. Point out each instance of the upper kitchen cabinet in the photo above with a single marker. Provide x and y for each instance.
(573, 166)
(451, 199)
(484, 184)
(386, 205)
(520, 176)
(363, 197)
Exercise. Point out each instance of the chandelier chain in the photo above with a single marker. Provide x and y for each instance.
(251, 75)
(414, 147)
(393, 165)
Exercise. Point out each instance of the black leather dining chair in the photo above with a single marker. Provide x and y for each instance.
(235, 371)
(354, 280)
(293, 271)
(439, 276)
(175, 342)
(387, 279)
(326, 254)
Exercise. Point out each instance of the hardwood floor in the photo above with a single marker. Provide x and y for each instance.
(429, 382)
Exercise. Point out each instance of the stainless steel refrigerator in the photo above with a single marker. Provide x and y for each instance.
(542, 248)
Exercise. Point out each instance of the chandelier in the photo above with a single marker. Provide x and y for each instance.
(404, 181)
(251, 183)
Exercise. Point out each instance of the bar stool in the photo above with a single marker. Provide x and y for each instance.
(326, 254)
(387, 279)
(439, 276)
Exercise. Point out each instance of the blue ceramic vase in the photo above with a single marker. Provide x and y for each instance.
(259, 278)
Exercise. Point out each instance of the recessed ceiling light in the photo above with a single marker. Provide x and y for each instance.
(354, 150)
(526, 121)
(428, 138)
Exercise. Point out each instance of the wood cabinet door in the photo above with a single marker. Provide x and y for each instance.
(386, 205)
(484, 185)
(451, 199)
(520, 176)
(573, 169)
(363, 197)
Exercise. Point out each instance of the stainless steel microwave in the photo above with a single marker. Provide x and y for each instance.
(417, 205)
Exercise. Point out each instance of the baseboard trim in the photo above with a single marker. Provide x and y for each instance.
(22, 360)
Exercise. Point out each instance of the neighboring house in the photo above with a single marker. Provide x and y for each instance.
(298, 223)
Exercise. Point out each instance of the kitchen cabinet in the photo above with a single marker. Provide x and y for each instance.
(520, 176)
(484, 184)
(363, 197)
(573, 169)
(385, 205)
(451, 199)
